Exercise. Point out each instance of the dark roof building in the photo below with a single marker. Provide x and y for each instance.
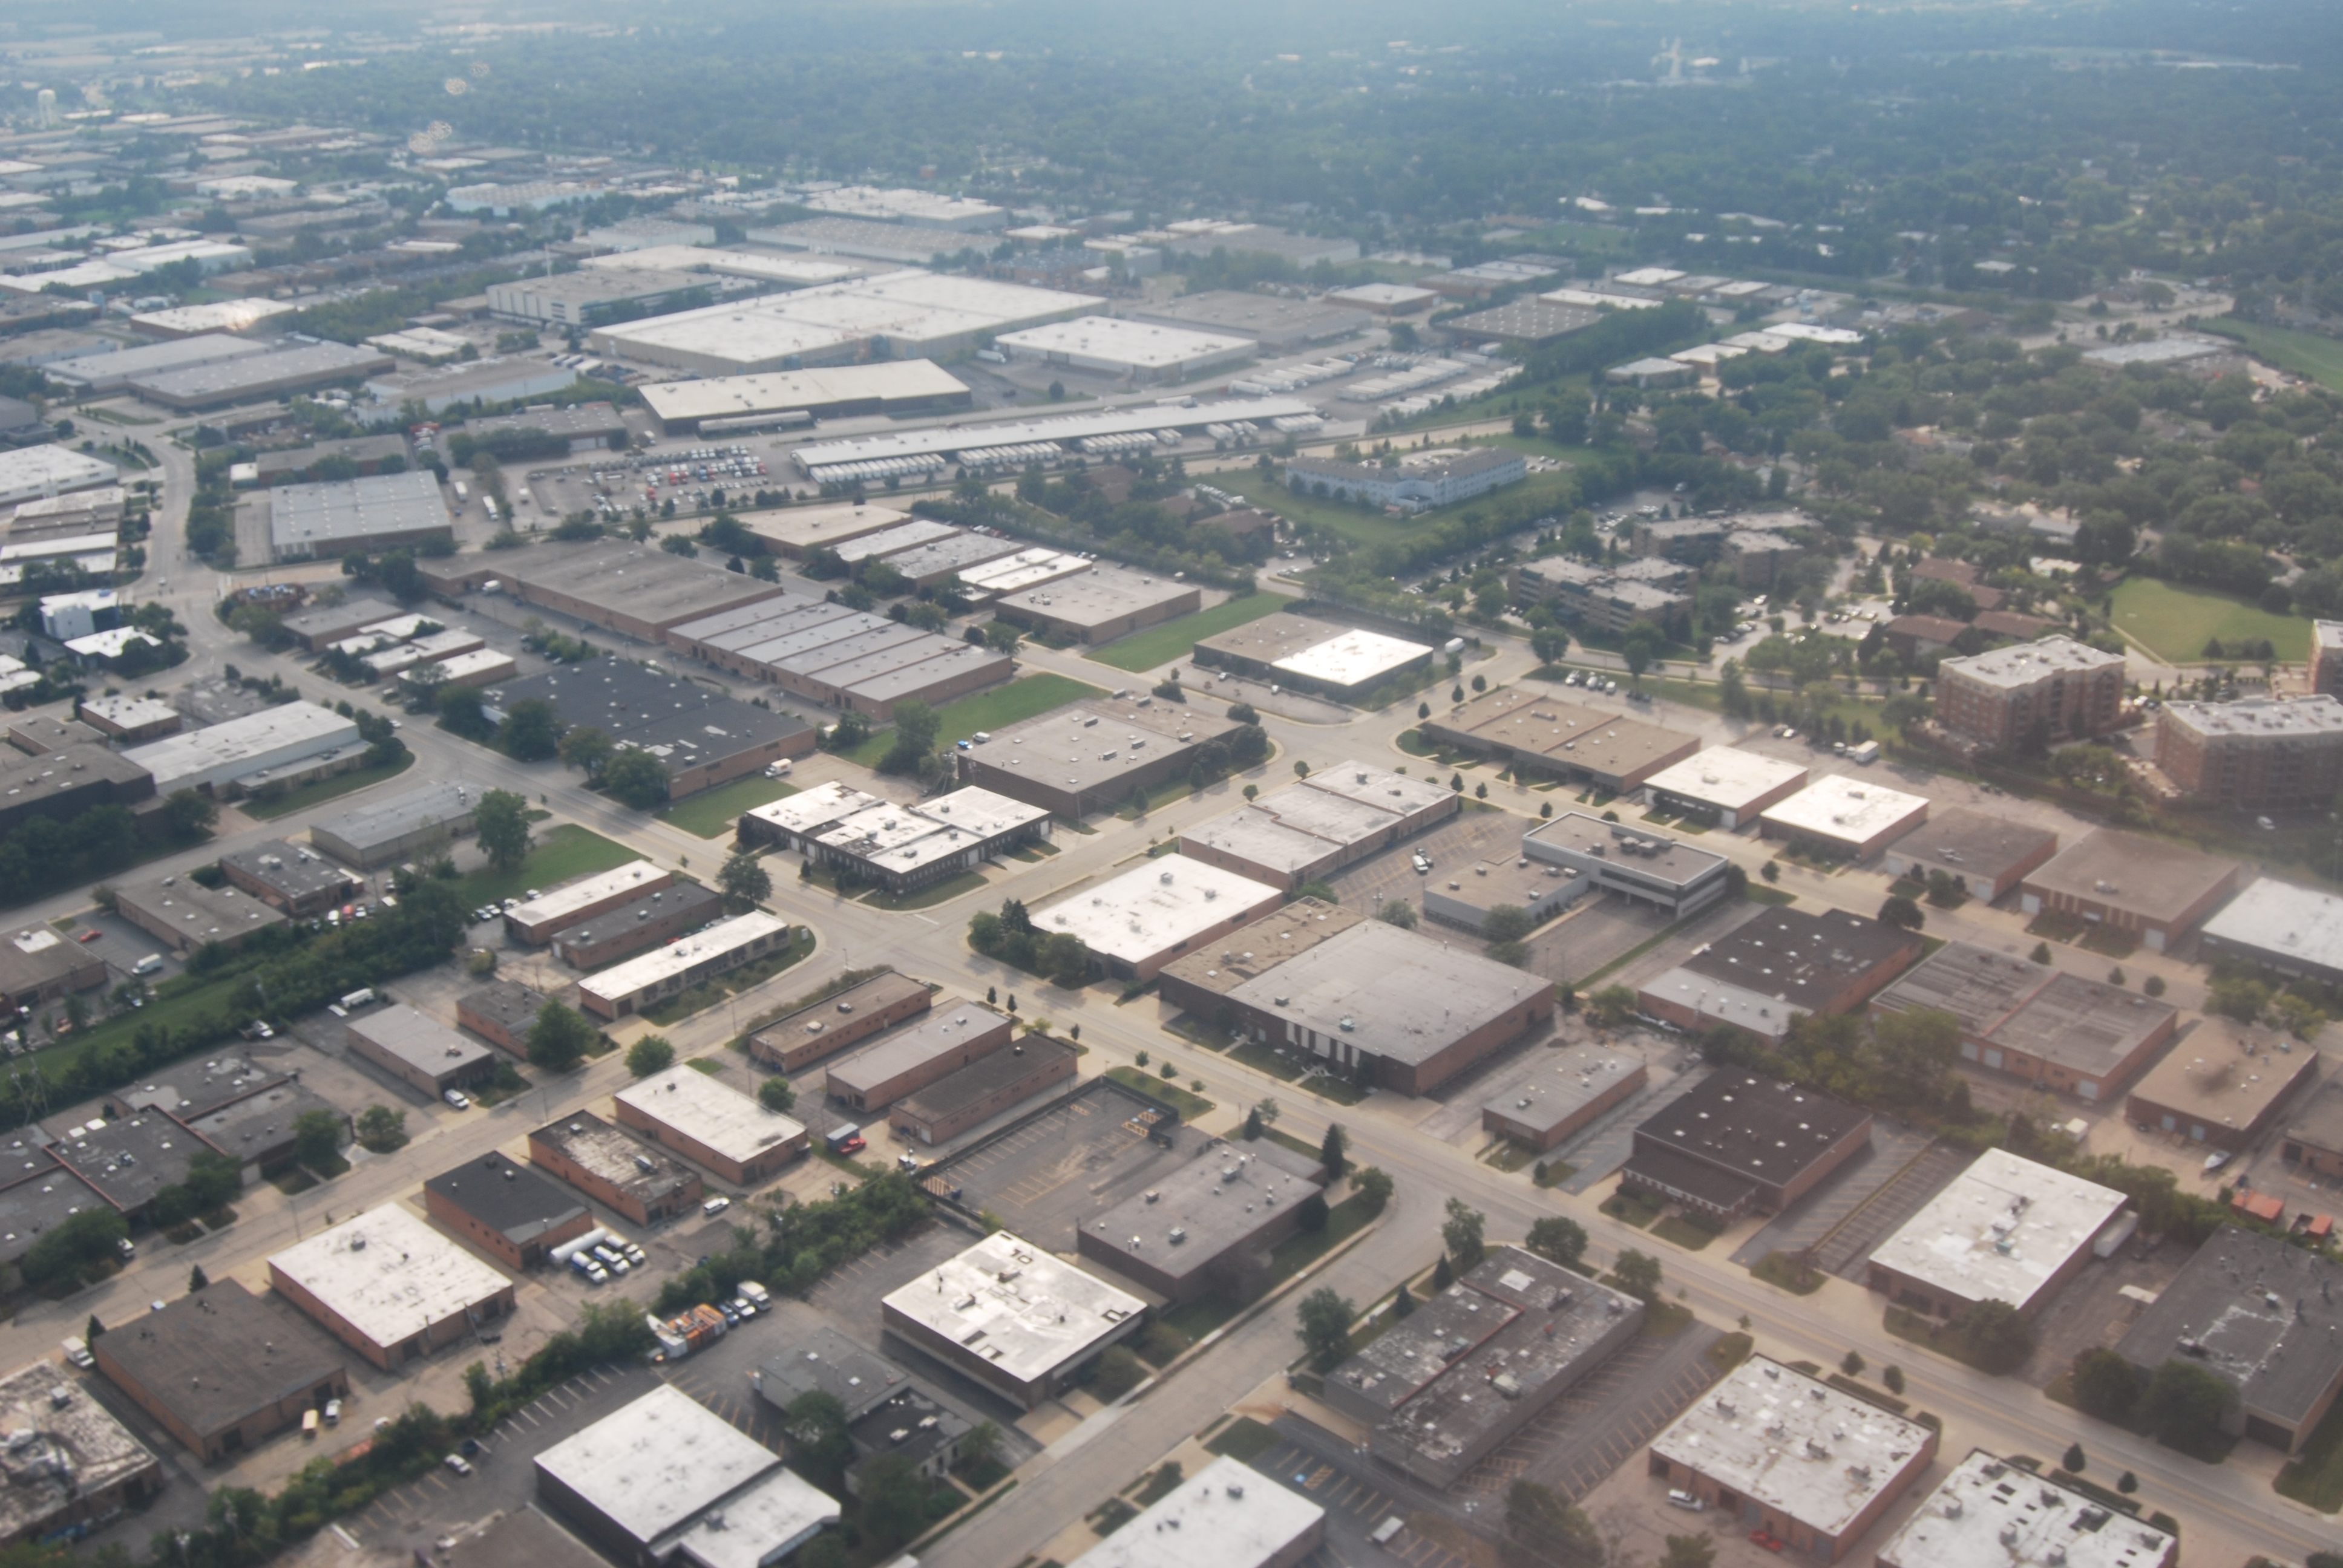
(1736, 1143)
(503, 1011)
(131, 1159)
(913, 1428)
(223, 1369)
(2148, 888)
(2068, 1034)
(826, 1362)
(704, 738)
(301, 882)
(646, 922)
(984, 1089)
(1777, 965)
(1209, 1225)
(1987, 855)
(839, 1020)
(614, 1168)
(505, 1209)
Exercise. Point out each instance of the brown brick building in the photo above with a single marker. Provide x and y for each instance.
(2253, 752)
(506, 1210)
(640, 1180)
(2001, 697)
(223, 1369)
(845, 1018)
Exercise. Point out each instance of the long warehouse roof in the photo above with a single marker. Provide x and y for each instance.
(950, 438)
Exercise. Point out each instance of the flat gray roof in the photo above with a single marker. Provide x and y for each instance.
(2023, 663)
(1977, 985)
(2083, 1025)
(1333, 807)
(1401, 995)
(79, 1449)
(1565, 1082)
(2002, 1231)
(943, 1028)
(2264, 1315)
(388, 1275)
(1972, 844)
(2151, 877)
(1226, 1193)
(338, 510)
(394, 816)
(260, 373)
(2256, 717)
(1100, 595)
(1227, 1515)
(623, 579)
(826, 1361)
(417, 1038)
(1637, 848)
(294, 872)
(657, 1462)
(1062, 749)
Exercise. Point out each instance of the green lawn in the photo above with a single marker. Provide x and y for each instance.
(2303, 353)
(995, 709)
(323, 790)
(567, 852)
(711, 813)
(2314, 1476)
(1174, 639)
(2174, 622)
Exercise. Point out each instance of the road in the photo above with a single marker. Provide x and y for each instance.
(2228, 1511)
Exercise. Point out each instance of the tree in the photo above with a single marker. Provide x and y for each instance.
(2041, 953)
(1403, 1301)
(316, 1138)
(820, 1443)
(1374, 1184)
(189, 814)
(381, 1129)
(1690, 1550)
(916, 726)
(198, 1280)
(83, 1239)
(1545, 1528)
(91, 1330)
(1998, 1338)
(1461, 1233)
(501, 820)
(982, 1446)
(1331, 1149)
(1505, 923)
(1325, 1331)
(2073, 1460)
(1639, 647)
(652, 1053)
(745, 882)
(1852, 1364)
(1893, 1378)
(1549, 645)
(893, 1500)
(2105, 1385)
(1917, 1052)
(775, 1094)
(1442, 1274)
(1638, 1274)
(2185, 1404)
(586, 749)
(637, 779)
(1398, 912)
(2127, 1483)
(1564, 1240)
(1902, 911)
(1323, 891)
(531, 731)
(558, 1038)
(1771, 871)
(1252, 1122)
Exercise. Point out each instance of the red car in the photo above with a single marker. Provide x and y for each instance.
(1770, 1542)
(89, 936)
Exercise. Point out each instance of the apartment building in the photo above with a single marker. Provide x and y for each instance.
(2000, 697)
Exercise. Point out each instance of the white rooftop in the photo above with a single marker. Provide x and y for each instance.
(1796, 1445)
(226, 750)
(31, 473)
(1065, 428)
(1154, 907)
(1135, 343)
(2156, 351)
(901, 837)
(1991, 1514)
(1333, 808)
(2000, 1232)
(2302, 923)
(129, 712)
(769, 391)
(2023, 663)
(1855, 810)
(801, 269)
(2258, 716)
(818, 807)
(585, 892)
(770, 1518)
(1227, 1515)
(1648, 276)
(715, 1114)
(624, 979)
(655, 1465)
(1383, 294)
(901, 204)
(220, 316)
(1017, 1305)
(1352, 658)
(387, 1274)
(1726, 776)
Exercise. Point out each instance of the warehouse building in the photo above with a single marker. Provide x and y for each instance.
(61, 782)
(1636, 864)
(1101, 604)
(941, 560)
(240, 754)
(619, 586)
(1724, 786)
(1209, 1225)
(1845, 818)
(1987, 855)
(130, 720)
(298, 881)
(719, 949)
(905, 847)
(720, 405)
(1278, 324)
(643, 1182)
(2253, 753)
(2057, 687)
(2005, 1230)
(1567, 1095)
(1988, 1512)
(73, 1468)
(113, 369)
(184, 914)
(1012, 444)
(986, 1088)
(1135, 351)
(1778, 965)
(1025, 570)
(842, 1019)
(711, 1124)
(127, 1160)
(1522, 323)
(704, 738)
(830, 654)
(414, 824)
(2314, 1132)
(903, 244)
(2150, 888)
(503, 1011)
(800, 531)
(2295, 932)
(223, 1369)
(1384, 298)
(643, 922)
(476, 383)
(588, 297)
(247, 1113)
(1787, 1454)
(2225, 1086)
(319, 628)
(823, 1360)
(2067, 1033)
(939, 1044)
(1109, 749)
(38, 1194)
(1136, 923)
(1554, 738)
(1343, 663)
(506, 1210)
(38, 965)
(1418, 482)
(1225, 1514)
(390, 1287)
(582, 428)
(797, 821)
(2264, 1316)
(539, 920)
(1737, 1144)
(1312, 829)
(417, 1049)
(1012, 1316)
(256, 378)
(904, 206)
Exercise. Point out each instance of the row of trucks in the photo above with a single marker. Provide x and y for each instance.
(701, 1326)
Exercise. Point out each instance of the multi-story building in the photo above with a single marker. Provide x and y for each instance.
(2253, 752)
(1442, 481)
(2057, 685)
(2327, 657)
(1608, 598)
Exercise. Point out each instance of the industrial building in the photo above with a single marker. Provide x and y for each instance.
(903, 244)
(827, 653)
(2314, 1132)
(245, 1112)
(1737, 1144)
(1987, 855)
(2058, 687)
(297, 880)
(505, 1210)
(2225, 1085)
(319, 628)
(255, 377)
(417, 1049)
(503, 1011)
(617, 585)
(589, 297)
(844, 1018)
(1724, 786)
(720, 404)
(905, 847)
(986, 1088)
(2264, 1316)
(546, 916)
(1988, 1513)
(905, 205)
(1777, 965)
(127, 1160)
(798, 821)
(414, 823)
(185, 915)
(2148, 888)
(2253, 753)
(1012, 444)
(1566, 741)
(644, 1182)
(646, 922)
(1341, 662)
(1101, 604)
(1522, 323)
(1312, 829)
(1842, 817)
(665, 1475)
(823, 1360)
(72, 1467)
(1136, 923)
(710, 1124)
(1012, 1316)
(2068, 1034)
(1384, 298)
(582, 427)
(2005, 1230)
(800, 531)
(1568, 1093)
(130, 720)
(1025, 570)
(113, 370)
(390, 1287)
(240, 754)
(942, 560)
(1133, 351)
(1210, 1224)
(704, 738)
(1278, 324)
(719, 949)
(62, 781)
(1093, 754)
(1418, 482)
(1789, 1455)
(476, 383)
(936, 1044)
(1226, 1514)
(2295, 932)
(223, 1369)
(1590, 855)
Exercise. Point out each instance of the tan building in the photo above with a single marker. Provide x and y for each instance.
(2057, 687)
(390, 1287)
(845, 1018)
(1987, 855)
(946, 1039)
(645, 1183)
(1568, 1093)
(644, 981)
(2066, 1032)
(538, 921)
(2004, 1229)
(417, 1049)
(2225, 1085)
(1548, 736)
(1314, 827)
(81, 1468)
(506, 1210)
(2156, 891)
(184, 914)
(711, 1124)
(2253, 752)
(224, 1370)
(984, 1089)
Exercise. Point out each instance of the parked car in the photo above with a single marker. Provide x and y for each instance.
(716, 1205)
(1770, 1542)
(333, 1413)
(1679, 1498)
(459, 1099)
(458, 1463)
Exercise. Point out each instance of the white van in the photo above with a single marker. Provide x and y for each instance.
(148, 965)
(1388, 1529)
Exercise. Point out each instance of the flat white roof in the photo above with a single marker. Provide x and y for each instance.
(129, 712)
(1726, 776)
(1227, 1515)
(818, 807)
(224, 751)
(1988, 1513)
(973, 435)
(903, 204)
(387, 1274)
(901, 838)
(772, 391)
(1154, 907)
(2023, 663)
(1796, 1445)
(1026, 569)
(220, 316)
(586, 891)
(1853, 810)
(2301, 923)
(1374, 294)
(802, 269)
(732, 1123)
(2001, 1231)
(30, 473)
(1018, 1305)
(2256, 716)
(1352, 658)
(1302, 822)
(1648, 276)
(624, 979)
(1134, 344)
(657, 1462)
(771, 1517)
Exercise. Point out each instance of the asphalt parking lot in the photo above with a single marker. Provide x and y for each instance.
(1052, 1172)
(1579, 1440)
(1452, 847)
(1358, 1494)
